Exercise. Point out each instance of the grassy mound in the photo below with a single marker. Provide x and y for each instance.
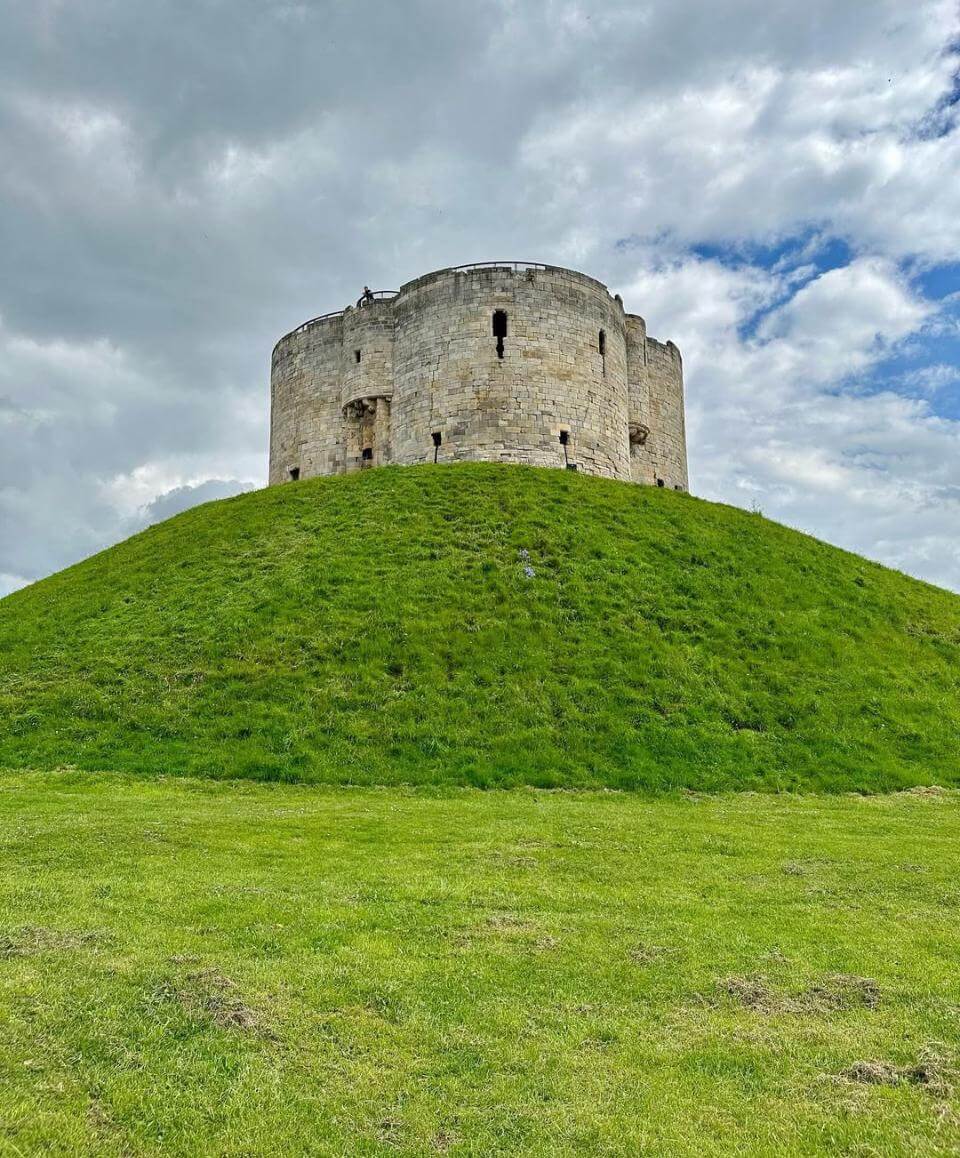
(484, 625)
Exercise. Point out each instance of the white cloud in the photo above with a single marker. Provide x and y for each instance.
(151, 485)
(176, 194)
(777, 420)
(845, 320)
(10, 583)
(930, 379)
(80, 427)
(771, 145)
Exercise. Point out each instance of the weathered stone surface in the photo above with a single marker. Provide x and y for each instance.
(579, 381)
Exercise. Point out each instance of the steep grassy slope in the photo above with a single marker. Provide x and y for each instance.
(485, 625)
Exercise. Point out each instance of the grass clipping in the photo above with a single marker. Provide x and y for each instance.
(933, 1072)
(837, 991)
(207, 994)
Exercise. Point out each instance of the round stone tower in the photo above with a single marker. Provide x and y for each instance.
(502, 362)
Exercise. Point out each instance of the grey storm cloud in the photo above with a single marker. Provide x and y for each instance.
(184, 181)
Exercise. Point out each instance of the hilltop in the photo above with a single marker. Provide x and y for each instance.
(486, 625)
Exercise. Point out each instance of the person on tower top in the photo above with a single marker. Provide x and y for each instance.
(367, 296)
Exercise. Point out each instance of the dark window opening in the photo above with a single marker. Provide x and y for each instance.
(499, 329)
(356, 355)
(602, 343)
(367, 453)
(659, 482)
(437, 440)
(565, 442)
(294, 473)
(572, 466)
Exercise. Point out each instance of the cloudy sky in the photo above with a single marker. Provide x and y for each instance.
(774, 185)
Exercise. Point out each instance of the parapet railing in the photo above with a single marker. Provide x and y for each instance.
(379, 295)
(516, 266)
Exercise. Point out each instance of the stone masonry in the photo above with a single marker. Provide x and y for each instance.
(500, 362)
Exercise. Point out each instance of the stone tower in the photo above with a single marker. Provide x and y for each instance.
(497, 362)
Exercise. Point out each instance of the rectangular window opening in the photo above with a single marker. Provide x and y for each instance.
(500, 329)
(294, 473)
(437, 440)
(356, 355)
(367, 453)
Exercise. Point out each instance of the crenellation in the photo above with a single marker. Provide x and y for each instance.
(374, 384)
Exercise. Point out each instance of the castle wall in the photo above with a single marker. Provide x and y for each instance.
(449, 378)
(638, 393)
(306, 417)
(368, 332)
(666, 444)
(429, 367)
(367, 383)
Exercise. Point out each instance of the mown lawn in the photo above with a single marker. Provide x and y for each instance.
(194, 967)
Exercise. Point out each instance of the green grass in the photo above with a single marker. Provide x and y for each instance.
(380, 628)
(199, 965)
(192, 967)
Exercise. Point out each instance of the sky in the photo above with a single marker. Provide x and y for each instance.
(775, 186)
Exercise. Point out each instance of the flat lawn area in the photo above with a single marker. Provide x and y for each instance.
(236, 968)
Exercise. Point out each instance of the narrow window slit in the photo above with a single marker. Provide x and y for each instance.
(356, 355)
(437, 440)
(499, 329)
(602, 347)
